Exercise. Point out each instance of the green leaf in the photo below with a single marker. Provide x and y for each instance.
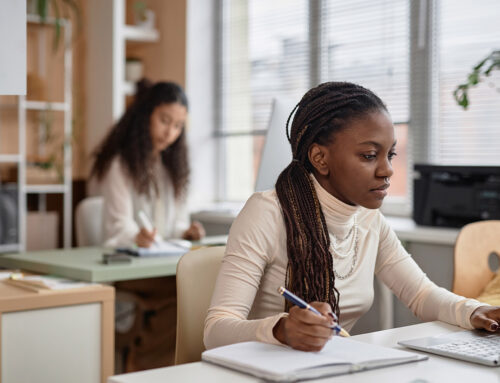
(57, 31)
(42, 6)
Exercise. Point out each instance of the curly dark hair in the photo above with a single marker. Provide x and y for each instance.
(130, 139)
(321, 113)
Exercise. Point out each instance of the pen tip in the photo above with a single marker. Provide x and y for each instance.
(281, 290)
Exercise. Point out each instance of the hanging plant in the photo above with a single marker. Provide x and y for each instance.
(62, 9)
(481, 70)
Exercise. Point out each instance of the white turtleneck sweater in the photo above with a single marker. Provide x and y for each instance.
(246, 304)
(122, 204)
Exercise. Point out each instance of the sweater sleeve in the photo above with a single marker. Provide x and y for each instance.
(396, 268)
(120, 227)
(249, 250)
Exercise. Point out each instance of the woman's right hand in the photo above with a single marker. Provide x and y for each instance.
(145, 238)
(305, 330)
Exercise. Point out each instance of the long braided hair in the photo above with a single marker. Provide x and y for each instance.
(322, 111)
(130, 139)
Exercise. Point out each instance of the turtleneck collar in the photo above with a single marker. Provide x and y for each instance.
(335, 210)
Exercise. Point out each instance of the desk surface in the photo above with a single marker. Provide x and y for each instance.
(435, 369)
(85, 264)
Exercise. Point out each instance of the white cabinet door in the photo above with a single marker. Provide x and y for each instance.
(12, 47)
(59, 344)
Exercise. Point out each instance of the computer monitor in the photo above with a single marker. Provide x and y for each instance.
(277, 152)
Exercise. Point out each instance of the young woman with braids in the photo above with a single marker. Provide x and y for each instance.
(143, 165)
(321, 235)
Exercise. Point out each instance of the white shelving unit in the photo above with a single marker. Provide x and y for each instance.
(23, 106)
(107, 37)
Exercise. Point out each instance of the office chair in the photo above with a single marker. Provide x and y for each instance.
(88, 221)
(473, 248)
(196, 275)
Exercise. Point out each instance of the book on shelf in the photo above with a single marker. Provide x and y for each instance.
(45, 283)
(283, 364)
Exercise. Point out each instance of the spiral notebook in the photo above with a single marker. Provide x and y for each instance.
(284, 364)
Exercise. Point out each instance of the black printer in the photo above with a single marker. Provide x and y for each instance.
(455, 195)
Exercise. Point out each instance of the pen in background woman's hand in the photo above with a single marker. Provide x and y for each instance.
(145, 238)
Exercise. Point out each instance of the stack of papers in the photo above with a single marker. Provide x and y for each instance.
(159, 249)
(45, 283)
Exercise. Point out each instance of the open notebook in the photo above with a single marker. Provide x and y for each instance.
(280, 363)
(163, 248)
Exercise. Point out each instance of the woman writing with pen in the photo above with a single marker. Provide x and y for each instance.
(320, 234)
(143, 166)
(143, 169)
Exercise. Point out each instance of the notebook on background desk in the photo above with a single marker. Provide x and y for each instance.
(164, 248)
(284, 364)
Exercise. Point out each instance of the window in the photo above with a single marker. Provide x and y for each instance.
(367, 42)
(466, 33)
(285, 47)
(266, 52)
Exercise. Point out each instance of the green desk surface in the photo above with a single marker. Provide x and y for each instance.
(85, 263)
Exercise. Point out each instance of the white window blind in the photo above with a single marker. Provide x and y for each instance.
(265, 54)
(283, 48)
(467, 32)
(368, 43)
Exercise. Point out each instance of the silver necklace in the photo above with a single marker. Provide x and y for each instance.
(352, 250)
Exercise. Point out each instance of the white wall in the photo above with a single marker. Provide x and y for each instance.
(200, 87)
(13, 47)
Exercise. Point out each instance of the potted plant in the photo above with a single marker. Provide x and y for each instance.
(479, 72)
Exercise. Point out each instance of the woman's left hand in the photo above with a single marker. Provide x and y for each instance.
(486, 317)
(195, 232)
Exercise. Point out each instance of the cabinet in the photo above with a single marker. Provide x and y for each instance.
(36, 134)
(57, 336)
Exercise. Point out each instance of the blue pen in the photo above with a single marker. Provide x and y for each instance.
(288, 295)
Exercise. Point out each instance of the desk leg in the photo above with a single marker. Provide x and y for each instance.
(107, 339)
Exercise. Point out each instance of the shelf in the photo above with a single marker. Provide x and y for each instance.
(133, 33)
(128, 88)
(45, 189)
(9, 248)
(43, 105)
(32, 18)
(9, 158)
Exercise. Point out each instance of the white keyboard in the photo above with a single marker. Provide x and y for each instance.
(472, 346)
(487, 348)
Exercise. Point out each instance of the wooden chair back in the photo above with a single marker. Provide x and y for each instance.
(475, 242)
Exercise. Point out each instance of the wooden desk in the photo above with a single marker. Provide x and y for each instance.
(436, 369)
(57, 336)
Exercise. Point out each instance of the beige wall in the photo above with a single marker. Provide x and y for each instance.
(166, 59)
